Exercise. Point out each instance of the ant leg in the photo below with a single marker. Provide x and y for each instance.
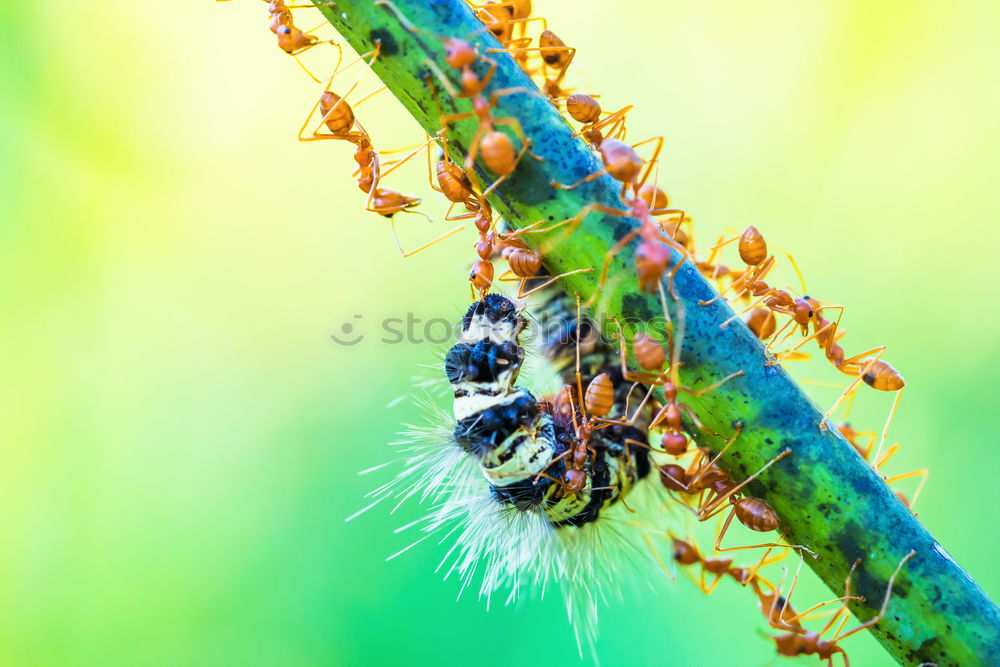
(613, 118)
(885, 430)
(621, 496)
(763, 562)
(697, 478)
(550, 463)
(847, 365)
(881, 461)
(405, 22)
(586, 179)
(784, 355)
(340, 55)
(400, 162)
(774, 337)
(725, 527)
(718, 246)
(369, 96)
(574, 222)
(711, 587)
(711, 387)
(885, 603)
(854, 385)
(795, 267)
(624, 241)
(758, 273)
(923, 473)
(718, 501)
(470, 158)
(301, 64)
(656, 556)
(521, 295)
(697, 422)
(435, 241)
(652, 160)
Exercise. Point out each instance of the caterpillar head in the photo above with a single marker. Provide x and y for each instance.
(495, 318)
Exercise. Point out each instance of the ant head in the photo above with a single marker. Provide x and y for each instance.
(803, 311)
(574, 480)
(674, 443)
(685, 553)
(458, 53)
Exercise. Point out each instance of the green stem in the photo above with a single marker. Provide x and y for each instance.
(827, 497)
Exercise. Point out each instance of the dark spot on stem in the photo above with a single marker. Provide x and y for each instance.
(622, 228)
(636, 307)
(385, 38)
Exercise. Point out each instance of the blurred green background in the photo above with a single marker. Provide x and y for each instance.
(181, 436)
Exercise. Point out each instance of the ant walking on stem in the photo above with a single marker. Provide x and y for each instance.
(803, 642)
(653, 255)
(340, 124)
(291, 39)
(497, 149)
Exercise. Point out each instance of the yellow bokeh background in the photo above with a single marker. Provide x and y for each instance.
(181, 437)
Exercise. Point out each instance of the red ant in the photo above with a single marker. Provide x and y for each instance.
(685, 552)
(337, 116)
(498, 151)
(671, 414)
(556, 58)
(587, 110)
(653, 255)
(291, 39)
(501, 18)
(803, 642)
(524, 263)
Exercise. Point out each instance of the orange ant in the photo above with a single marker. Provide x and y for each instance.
(671, 414)
(685, 552)
(587, 110)
(337, 116)
(501, 18)
(802, 642)
(524, 263)
(653, 256)
(498, 150)
(291, 39)
(556, 58)
(752, 512)
(777, 608)
(754, 253)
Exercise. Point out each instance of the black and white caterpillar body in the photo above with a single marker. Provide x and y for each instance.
(524, 445)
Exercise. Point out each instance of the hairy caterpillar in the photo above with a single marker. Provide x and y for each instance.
(479, 469)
